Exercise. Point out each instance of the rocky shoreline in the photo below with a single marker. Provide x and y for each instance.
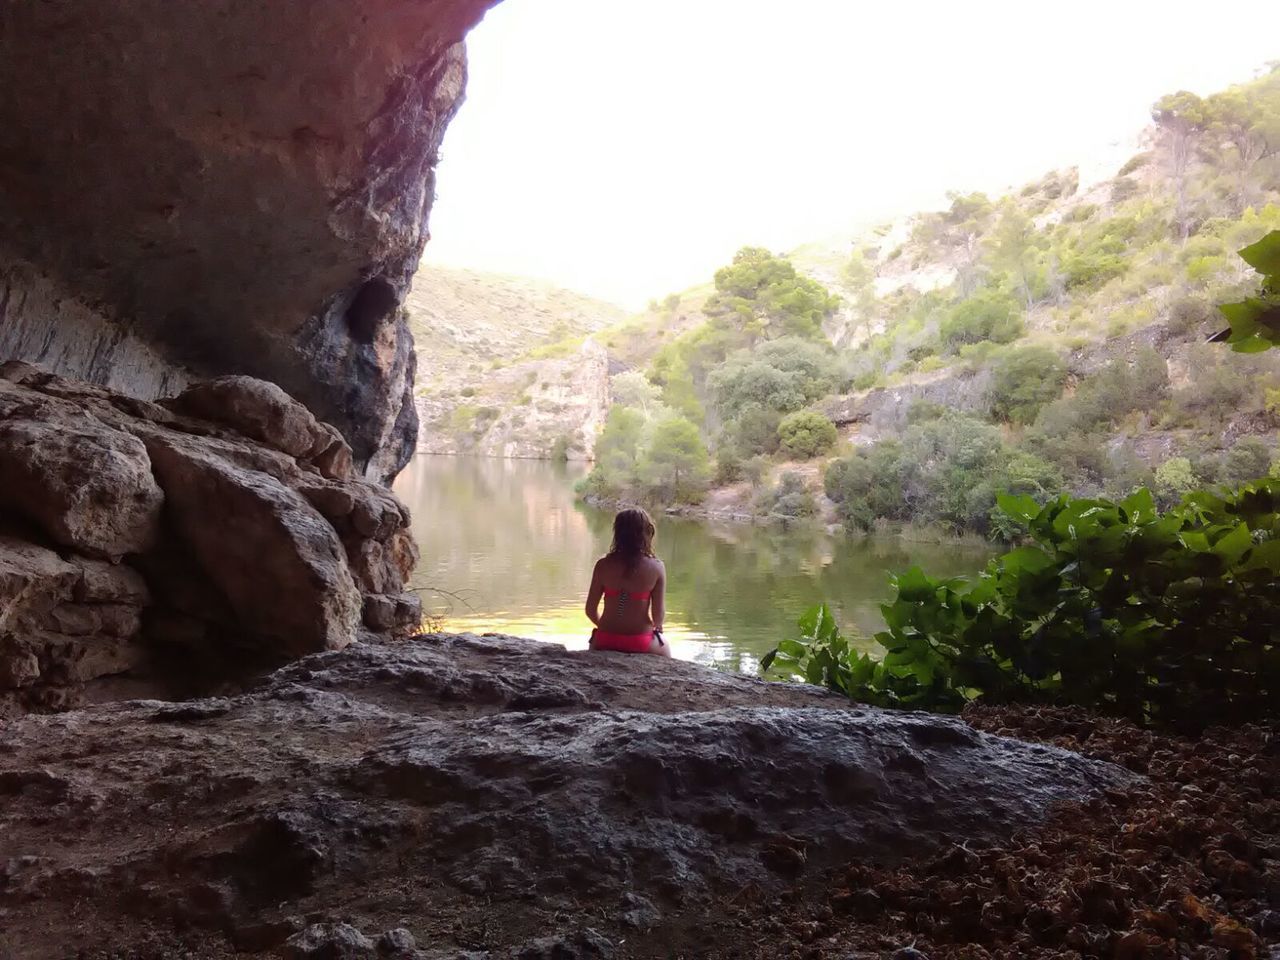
(455, 796)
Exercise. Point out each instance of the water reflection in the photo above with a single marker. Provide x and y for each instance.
(505, 548)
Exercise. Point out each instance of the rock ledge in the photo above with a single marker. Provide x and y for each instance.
(418, 785)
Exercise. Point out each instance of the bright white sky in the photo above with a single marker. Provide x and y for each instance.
(626, 148)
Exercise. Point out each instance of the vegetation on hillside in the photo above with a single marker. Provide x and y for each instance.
(1169, 618)
(1061, 350)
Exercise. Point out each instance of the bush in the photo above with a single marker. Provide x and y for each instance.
(806, 434)
(867, 485)
(790, 498)
(1123, 189)
(755, 431)
(1170, 620)
(1188, 314)
(1248, 459)
(1081, 213)
(783, 375)
(987, 315)
(1133, 163)
(1174, 478)
(728, 467)
(1023, 381)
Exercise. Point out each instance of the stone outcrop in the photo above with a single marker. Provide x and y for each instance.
(163, 544)
(439, 783)
(196, 189)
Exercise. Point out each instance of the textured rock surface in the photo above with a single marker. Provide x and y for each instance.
(208, 188)
(438, 784)
(137, 540)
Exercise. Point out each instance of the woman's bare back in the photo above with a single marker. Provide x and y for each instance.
(633, 598)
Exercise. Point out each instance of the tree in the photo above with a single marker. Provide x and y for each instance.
(806, 434)
(1246, 131)
(1182, 119)
(614, 470)
(860, 277)
(769, 298)
(632, 388)
(1023, 381)
(674, 463)
(1013, 251)
(782, 375)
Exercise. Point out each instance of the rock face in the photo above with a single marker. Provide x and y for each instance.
(429, 784)
(137, 539)
(189, 190)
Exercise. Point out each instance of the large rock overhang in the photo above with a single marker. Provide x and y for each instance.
(199, 187)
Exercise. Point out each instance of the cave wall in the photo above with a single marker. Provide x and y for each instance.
(189, 189)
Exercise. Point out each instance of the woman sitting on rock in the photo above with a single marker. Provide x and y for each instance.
(633, 583)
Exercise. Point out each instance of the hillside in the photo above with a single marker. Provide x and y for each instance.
(1052, 338)
(506, 365)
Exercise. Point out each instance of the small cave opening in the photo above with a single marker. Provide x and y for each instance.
(373, 303)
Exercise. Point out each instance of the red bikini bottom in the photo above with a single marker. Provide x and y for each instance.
(622, 642)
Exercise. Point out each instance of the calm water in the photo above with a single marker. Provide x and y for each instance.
(505, 548)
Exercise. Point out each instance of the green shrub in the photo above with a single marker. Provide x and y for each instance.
(1090, 270)
(1133, 163)
(1123, 189)
(755, 431)
(467, 391)
(987, 315)
(1168, 619)
(806, 434)
(1188, 314)
(1081, 213)
(790, 498)
(728, 466)
(1023, 381)
(563, 446)
(1248, 459)
(1174, 478)
(783, 375)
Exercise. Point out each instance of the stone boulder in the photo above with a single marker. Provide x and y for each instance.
(255, 409)
(146, 541)
(89, 486)
(436, 784)
(272, 556)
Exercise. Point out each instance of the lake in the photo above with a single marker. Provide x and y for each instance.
(506, 548)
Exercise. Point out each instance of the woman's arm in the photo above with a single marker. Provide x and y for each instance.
(658, 598)
(594, 593)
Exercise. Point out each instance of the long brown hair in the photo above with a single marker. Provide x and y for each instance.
(633, 533)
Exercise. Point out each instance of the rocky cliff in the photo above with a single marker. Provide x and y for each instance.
(189, 190)
(163, 547)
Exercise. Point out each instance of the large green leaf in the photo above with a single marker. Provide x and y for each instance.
(1022, 507)
(1264, 256)
(1140, 506)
